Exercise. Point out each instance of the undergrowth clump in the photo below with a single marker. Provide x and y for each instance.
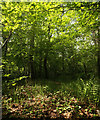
(84, 90)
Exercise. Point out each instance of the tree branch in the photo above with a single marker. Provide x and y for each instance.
(10, 34)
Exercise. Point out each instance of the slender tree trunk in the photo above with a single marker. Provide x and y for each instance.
(28, 68)
(7, 39)
(5, 53)
(63, 68)
(45, 67)
(96, 44)
(32, 68)
(98, 53)
(46, 55)
(5, 49)
(40, 67)
(32, 74)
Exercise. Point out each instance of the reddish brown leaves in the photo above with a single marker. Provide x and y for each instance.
(51, 105)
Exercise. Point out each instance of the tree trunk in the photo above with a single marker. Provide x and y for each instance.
(32, 74)
(45, 67)
(7, 39)
(46, 54)
(5, 49)
(40, 67)
(31, 68)
(5, 53)
(98, 63)
(63, 68)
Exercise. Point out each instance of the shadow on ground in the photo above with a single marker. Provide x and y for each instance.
(47, 118)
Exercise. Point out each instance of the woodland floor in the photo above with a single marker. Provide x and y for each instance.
(37, 103)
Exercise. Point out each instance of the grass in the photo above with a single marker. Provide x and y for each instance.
(53, 99)
(85, 90)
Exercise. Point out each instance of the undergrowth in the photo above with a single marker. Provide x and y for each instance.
(84, 90)
(79, 99)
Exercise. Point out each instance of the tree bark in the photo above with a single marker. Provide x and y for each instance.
(5, 42)
(45, 67)
(98, 63)
(5, 49)
(46, 54)
(63, 68)
(32, 68)
(40, 67)
(32, 73)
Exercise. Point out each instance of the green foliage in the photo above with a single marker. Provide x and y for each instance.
(39, 32)
(86, 90)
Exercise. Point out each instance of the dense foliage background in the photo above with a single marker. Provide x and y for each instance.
(49, 40)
